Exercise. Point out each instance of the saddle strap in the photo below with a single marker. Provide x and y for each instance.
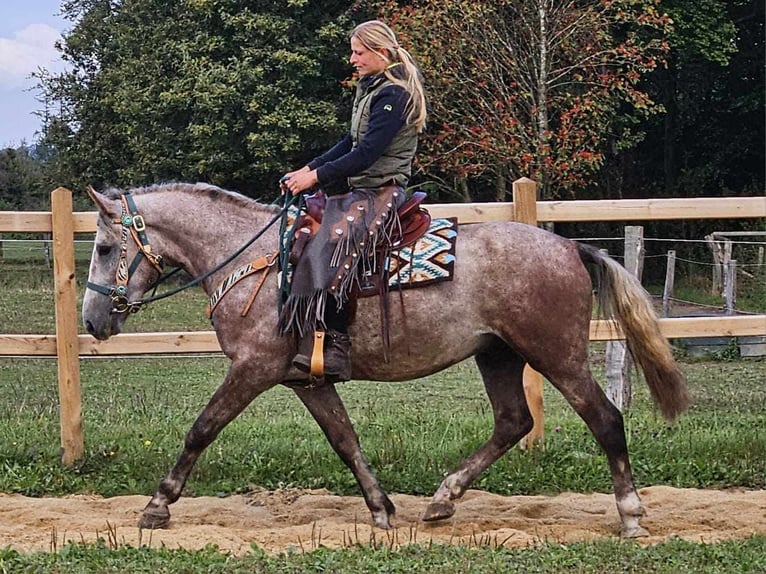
(317, 355)
(254, 294)
(263, 262)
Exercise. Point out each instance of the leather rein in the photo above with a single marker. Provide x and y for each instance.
(134, 226)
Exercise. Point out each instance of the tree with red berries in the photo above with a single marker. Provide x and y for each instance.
(535, 88)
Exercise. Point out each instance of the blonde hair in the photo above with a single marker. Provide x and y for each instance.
(377, 36)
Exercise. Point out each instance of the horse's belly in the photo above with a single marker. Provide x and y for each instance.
(408, 358)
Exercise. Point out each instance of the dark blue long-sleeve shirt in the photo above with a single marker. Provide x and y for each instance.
(387, 116)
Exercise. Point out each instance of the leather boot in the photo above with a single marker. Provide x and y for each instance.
(337, 360)
(337, 363)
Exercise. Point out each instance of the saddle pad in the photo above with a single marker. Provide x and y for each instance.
(430, 260)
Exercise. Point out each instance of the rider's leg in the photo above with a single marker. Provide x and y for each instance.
(337, 346)
(337, 362)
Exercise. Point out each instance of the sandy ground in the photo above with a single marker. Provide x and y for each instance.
(303, 520)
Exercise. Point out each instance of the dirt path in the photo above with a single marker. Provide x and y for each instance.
(279, 520)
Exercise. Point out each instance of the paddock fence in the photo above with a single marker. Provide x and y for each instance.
(67, 346)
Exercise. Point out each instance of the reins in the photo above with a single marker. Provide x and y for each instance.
(134, 225)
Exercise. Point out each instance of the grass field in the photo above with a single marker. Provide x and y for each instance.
(136, 412)
(676, 557)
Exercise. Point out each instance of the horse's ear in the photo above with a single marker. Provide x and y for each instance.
(101, 201)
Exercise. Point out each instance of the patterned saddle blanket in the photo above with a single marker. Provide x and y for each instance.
(430, 260)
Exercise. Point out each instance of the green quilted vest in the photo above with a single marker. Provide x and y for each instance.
(395, 164)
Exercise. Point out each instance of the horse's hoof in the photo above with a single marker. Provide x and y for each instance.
(382, 521)
(154, 518)
(438, 511)
(633, 532)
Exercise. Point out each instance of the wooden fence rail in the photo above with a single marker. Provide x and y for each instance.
(67, 346)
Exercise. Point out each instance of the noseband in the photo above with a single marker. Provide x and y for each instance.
(133, 225)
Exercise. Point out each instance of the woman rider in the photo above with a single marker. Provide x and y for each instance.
(376, 158)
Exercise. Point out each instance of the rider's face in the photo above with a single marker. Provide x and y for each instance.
(367, 62)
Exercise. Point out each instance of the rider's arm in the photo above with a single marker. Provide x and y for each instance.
(338, 150)
(305, 178)
(387, 116)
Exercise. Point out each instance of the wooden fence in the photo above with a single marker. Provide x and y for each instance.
(67, 346)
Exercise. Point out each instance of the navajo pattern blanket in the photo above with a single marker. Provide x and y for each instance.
(430, 260)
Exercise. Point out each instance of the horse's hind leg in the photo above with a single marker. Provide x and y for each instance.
(502, 369)
(605, 422)
(235, 393)
(328, 410)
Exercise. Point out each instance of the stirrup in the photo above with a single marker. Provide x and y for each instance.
(312, 364)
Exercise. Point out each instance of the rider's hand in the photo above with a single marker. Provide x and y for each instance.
(283, 186)
(300, 180)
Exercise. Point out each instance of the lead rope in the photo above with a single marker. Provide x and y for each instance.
(285, 244)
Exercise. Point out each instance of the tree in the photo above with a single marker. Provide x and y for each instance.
(710, 141)
(22, 181)
(532, 88)
(227, 91)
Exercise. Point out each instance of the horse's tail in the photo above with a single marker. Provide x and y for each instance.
(621, 297)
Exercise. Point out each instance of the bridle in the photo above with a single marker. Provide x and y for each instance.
(134, 226)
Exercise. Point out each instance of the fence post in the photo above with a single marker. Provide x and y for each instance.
(72, 443)
(619, 386)
(670, 278)
(730, 286)
(525, 211)
(715, 249)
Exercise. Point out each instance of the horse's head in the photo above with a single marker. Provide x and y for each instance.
(122, 266)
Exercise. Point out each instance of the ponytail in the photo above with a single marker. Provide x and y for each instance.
(412, 83)
(376, 35)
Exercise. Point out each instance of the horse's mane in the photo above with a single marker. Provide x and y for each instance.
(212, 192)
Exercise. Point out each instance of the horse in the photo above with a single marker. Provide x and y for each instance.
(520, 296)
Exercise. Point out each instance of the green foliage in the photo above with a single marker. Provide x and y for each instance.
(229, 92)
(523, 88)
(234, 92)
(671, 557)
(702, 29)
(22, 181)
(710, 140)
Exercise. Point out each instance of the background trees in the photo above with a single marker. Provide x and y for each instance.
(710, 140)
(599, 98)
(21, 180)
(225, 91)
(533, 87)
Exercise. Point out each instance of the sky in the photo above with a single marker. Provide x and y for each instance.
(28, 31)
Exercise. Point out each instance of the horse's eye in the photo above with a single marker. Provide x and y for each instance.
(103, 250)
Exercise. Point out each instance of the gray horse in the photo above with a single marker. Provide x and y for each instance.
(520, 296)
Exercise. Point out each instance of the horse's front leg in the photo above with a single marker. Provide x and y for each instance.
(501, 370)
(238, 389)
(328, 410)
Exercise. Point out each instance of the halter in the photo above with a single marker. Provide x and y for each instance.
(133, 225)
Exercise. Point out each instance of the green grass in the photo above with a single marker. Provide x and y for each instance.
(751, 293)
(674, 557)
(27, 303)
(136, 412)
